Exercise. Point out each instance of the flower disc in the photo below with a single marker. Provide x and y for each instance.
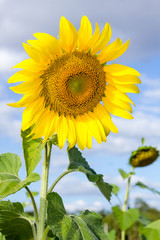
(69, 87)
(74, 84)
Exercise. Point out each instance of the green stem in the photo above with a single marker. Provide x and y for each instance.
(45, 233)
(44, 187)
(59, 178)
(34, 205)
(126, 200)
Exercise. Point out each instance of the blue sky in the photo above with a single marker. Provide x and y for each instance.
(138, 21)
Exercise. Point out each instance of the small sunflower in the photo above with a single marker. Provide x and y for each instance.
(144, 156)
(70, 88)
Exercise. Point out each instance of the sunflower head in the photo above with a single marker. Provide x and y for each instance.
(144, 156)
(70, 87)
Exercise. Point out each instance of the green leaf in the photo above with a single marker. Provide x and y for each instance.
(10, 182)
(115, 189)
(33, 193)
(154, 225)
(79, 163)
(124, 175)
(32, 150)
(112, 235)
(105, 188)
(13, 223)
(141, 185)
(150, 233)
(86, 226)
(2, 237)
(125, 219)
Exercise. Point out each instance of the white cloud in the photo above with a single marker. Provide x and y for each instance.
(75, 186)
(9, 59)
(153, 93)
(141, 30)
(10, 125)
(150, 82)
(81, 205)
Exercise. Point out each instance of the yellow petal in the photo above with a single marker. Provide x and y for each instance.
(52, 127)
(119, 70)
(34, 53)
(126, 79)
(89, 141)
(112, 51)
(22, 76)
(119, 103)
(48, 44)
(117, 111)
(62, 130)
(27, 87)
(81, 132)
(84, 33)
(103, 40)
(31, 113)
(30, 65)
(130, 88)
(105, 118)
(40, 124)
(92, 127)
(93, 39)
(67, 35)
(71, 134)
(115, 93)
(24, 101)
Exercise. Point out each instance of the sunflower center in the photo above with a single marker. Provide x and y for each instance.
(77, 85)
(73, 84)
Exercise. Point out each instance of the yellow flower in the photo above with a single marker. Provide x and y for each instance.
(144, 156)
(70, 88)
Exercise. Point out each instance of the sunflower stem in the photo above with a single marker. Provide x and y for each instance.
(59, 178)
(34, 205)
(123, 233)
(44, 187)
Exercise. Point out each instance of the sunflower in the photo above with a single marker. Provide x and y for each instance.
(143, 156)
(69, 87)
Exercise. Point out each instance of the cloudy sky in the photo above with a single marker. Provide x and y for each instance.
(136, 20)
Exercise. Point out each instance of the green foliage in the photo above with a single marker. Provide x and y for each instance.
(10, 182)
(124, 175)
(86, 226)
(149, 233)
(2, 237)
(141, 185)
(125, 219)
(79, 163)
(112, 235)
(115, 189)
(33, 193)
(32, 150)
(13, 223)
(152, 230)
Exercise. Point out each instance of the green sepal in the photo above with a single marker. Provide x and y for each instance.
(86, 226)
(54, 140)
(13, 222)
